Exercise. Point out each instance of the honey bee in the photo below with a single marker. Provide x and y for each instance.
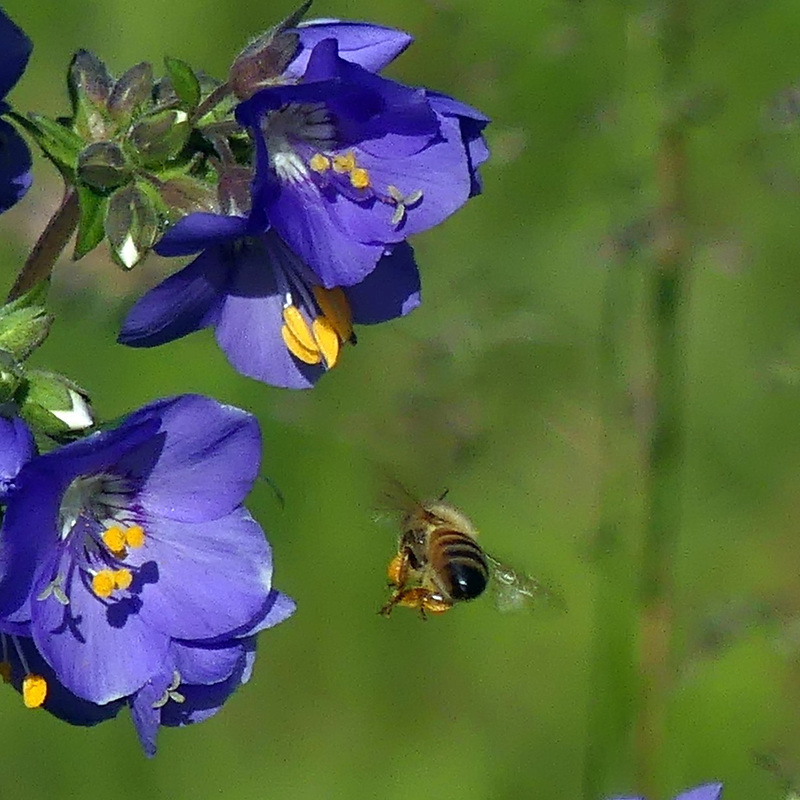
(439, 563)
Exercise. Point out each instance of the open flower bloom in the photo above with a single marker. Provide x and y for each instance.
(272, 317)
(122, 547)
(15, 157)
(708, 791)
(349, 162)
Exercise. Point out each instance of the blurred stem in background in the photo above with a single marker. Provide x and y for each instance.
(667, 296)
(630, 690)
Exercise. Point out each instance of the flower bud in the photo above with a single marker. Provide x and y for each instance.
(160, 137)
(54, 405)
(89, 86)
(131, 90)
(102, 166)
(131, 225)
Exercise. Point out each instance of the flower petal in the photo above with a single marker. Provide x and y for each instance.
(199, 230)
(16, 448)
(249, 326)
(709, 791)
(185, 302)
(59, 702)
(209, 578)
(15, 166)
(371, 46)
(207, 664)
(391, 290)
(14, 54)
(101, 652)
(208, 459)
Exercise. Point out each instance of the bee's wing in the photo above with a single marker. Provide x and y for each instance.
(512, 590)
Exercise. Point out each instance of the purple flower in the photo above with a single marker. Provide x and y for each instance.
(709, 791)
(121, 548)
(273, 318)
(349, 162)
(15, 157)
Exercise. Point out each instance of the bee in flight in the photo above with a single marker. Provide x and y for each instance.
(439, 563)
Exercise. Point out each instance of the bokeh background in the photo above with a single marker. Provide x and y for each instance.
(489, 390)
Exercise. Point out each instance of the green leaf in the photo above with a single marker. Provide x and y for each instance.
(33, 297)
(60, 144)
(184, 81)
(91, 230)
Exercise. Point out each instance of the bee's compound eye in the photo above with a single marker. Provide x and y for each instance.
(469, 579)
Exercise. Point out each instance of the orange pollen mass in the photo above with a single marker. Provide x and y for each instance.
(103, 583)
(134, 536)
(34, 690)
(114, 540)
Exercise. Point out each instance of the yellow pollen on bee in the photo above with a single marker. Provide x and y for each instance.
(359, 178)
(333, 304)
(134, 536)
(103, 583)
(298, 349)
(5, 671)
(344, 163)
(327, 340)
(114, 540)
(34, 690)
(319, 163)
(123, 578)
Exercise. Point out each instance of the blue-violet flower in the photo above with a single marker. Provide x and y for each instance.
(128, 556)
(349, 163)
(273, 318)
(708, 791)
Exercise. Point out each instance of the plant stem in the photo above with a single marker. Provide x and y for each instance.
(49, 246)
(667, 291)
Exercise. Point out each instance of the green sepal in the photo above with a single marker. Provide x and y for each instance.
(182, 195)
(131, 224)
(91, 225)
(60, 144)
(22, 330)
(89, 83)
(102, 166)
(130, 92)
(184, 82)
(159, 137)
(54, 405)
(33, 297)
(11, 377)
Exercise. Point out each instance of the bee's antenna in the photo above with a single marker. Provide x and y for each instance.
(443, 495)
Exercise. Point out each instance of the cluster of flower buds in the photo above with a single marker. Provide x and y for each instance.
(131, 573)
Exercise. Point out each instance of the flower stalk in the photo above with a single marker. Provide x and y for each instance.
(39, 264)
(667, 293)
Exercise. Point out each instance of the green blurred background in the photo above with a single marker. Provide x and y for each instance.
(490, 390)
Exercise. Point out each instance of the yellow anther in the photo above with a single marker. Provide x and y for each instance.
(114, 540)
(134, 536)
(5, 671)
(103, 583)
(298, 349)
(333, 304)
(319, 163)
(297, 324)
(359, 178)
(327, 340)
(123, 578)
(34, 690)
(345, 163)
